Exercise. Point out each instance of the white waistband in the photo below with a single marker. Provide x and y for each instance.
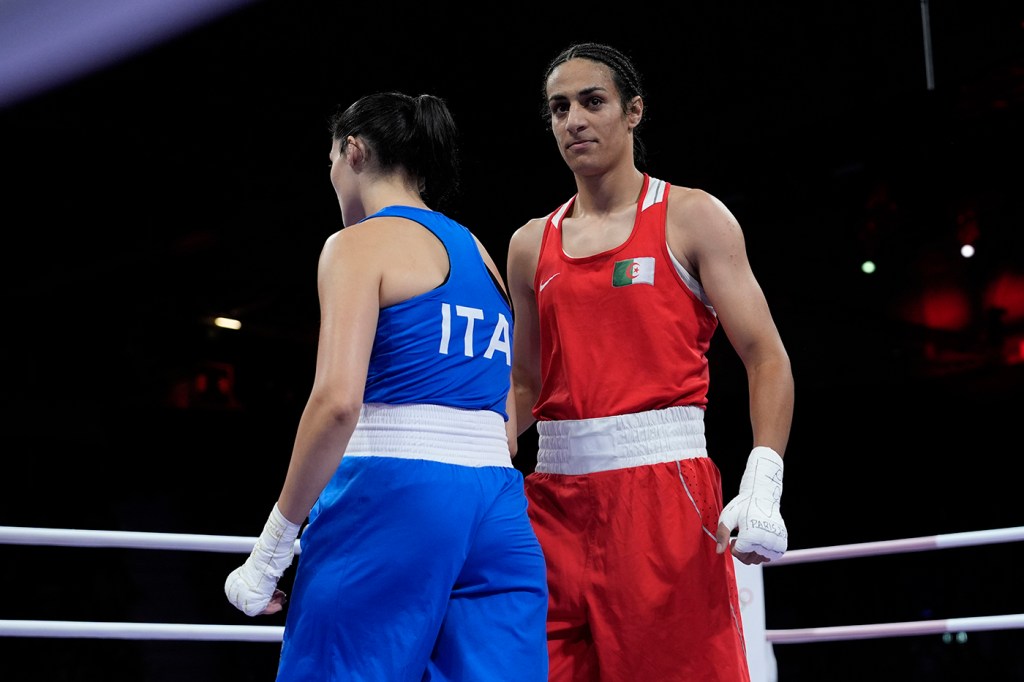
(474, 438)
(584, 446)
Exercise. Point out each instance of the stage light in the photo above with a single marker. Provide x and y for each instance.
(227, 323)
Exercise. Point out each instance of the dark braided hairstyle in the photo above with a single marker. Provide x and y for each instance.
(624, 74)
(401, 131)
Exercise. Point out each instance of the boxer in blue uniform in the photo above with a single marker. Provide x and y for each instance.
(418, 561)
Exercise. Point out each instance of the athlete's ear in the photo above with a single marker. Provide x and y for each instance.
(355, 152)
(635, 111)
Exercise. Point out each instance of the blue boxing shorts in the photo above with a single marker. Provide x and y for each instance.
(416, 569)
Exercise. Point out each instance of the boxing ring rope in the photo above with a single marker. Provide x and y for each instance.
(147, 631)
(258, 633)
(983, 537)
(925, 627)
(68, 537)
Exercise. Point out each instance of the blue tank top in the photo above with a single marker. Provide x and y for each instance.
(449, 346)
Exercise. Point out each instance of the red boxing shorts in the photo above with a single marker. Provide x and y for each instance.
(636, 588)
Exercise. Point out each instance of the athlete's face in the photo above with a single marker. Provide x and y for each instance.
(592, 131)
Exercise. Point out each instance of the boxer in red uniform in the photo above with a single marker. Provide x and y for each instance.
(618, 294)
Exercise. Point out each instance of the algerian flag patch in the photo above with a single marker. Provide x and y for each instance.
(633, 271)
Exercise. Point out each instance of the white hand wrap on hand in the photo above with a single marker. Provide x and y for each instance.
(755, 510)
(251, 586)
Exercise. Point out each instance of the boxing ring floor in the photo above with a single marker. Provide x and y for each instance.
(247, 648)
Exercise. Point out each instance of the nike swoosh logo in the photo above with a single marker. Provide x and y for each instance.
(548, 280)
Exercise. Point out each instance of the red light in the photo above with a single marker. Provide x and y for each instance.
(1006, 293)
(945, 309)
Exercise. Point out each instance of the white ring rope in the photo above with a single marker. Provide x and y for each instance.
(258, 633)
(70, 537)
(982, 537)
(72, 629)
(921, 627)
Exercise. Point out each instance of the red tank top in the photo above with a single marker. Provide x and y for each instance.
(620, 331)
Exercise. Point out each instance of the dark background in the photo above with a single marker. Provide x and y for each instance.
(188, 178)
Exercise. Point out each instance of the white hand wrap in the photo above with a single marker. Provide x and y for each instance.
(755, 510)
(250, 586)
